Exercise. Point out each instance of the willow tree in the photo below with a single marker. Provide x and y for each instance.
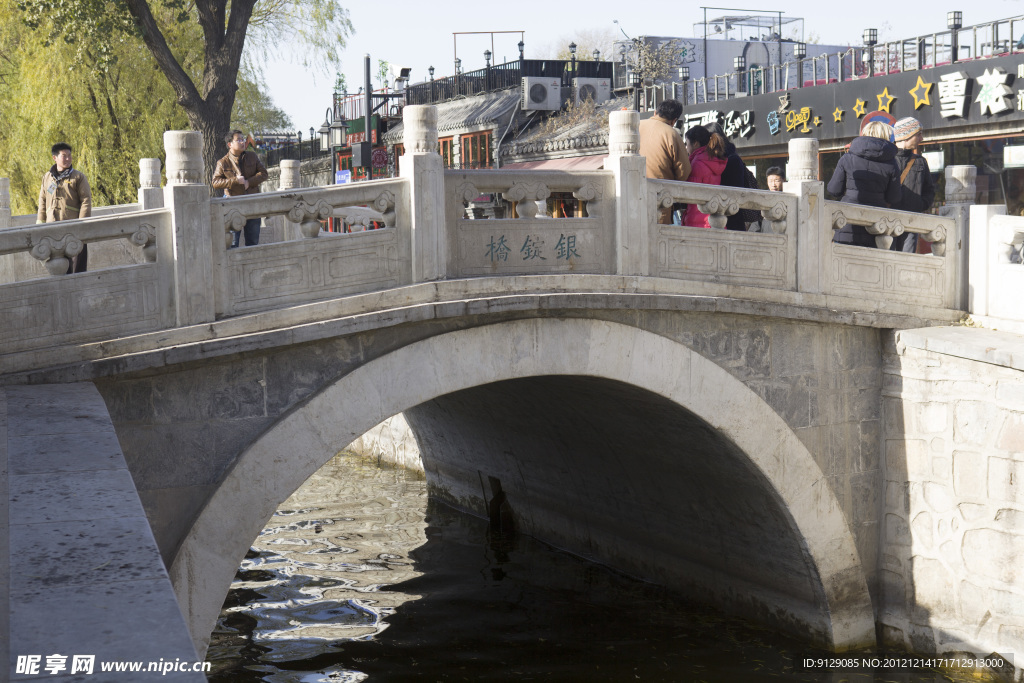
(208, 96)
(112, 116)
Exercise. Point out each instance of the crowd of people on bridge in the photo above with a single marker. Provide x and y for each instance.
(882, 168)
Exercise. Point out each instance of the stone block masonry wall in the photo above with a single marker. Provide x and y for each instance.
(952, 565)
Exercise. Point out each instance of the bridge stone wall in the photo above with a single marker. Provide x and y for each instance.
(953, 528)
(183, 428)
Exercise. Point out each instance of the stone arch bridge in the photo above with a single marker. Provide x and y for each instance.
(706, 409)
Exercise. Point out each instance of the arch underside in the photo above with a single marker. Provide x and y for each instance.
(609, 441)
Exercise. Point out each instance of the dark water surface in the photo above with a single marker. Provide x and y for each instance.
(357, 577)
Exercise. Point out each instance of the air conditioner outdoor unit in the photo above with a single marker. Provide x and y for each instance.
(597, 89)
(542, 93)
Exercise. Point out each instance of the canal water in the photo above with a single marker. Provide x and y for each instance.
(359, 577)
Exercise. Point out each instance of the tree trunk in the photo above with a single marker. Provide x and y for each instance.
(213, 125)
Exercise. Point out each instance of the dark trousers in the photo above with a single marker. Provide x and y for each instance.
(252, 234)
(79, 263)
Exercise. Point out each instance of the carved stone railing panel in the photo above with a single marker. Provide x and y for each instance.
(885, 224)
(759, 259)
(55, 243)
(92, 306)
(528, 242)
(309, 206)
(323, 265)
(720, 202)
(882, 274)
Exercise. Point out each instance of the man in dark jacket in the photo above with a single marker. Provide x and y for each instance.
(916, 177)
(734, 175)
(239, 172)
(867, 174)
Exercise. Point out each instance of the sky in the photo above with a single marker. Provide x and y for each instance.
(419, 34)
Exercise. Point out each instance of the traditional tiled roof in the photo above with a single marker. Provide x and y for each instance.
(493, 108)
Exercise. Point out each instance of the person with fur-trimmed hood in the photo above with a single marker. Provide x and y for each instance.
(65, 195)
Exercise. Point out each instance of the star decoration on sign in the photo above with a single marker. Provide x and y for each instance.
(888, 101)
(837, 115)
(859, 109)
(924, 89)
(817, 120)
(994, 94)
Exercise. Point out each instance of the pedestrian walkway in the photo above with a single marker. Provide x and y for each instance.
(81, 576)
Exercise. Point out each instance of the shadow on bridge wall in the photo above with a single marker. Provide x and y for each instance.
(723, 495)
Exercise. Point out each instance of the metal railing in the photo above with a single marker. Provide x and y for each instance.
(993, 39)
(301, 151)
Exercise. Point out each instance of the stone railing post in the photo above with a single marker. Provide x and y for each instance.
(5, 203)
(422, 166)
(629, 169)
(813, 227)
(188, 198)
(961, 190)
(151, 196)
(289, 174)
(290, 180)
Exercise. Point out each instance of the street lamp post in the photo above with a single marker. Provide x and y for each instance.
(800, 52)
(954, 22)
(684, 76)
(597, 55)
(298, 134)
(487, 71)
(870, 40)
(739, 64)
(521, 46)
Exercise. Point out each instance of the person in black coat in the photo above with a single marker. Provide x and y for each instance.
(734, 175)
(867, 175)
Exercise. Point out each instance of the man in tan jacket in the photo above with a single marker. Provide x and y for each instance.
(240, 172)
(64, 196)
(663, 146)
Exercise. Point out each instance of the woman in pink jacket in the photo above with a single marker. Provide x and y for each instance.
(707, 161)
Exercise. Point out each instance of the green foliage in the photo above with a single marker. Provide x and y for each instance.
(254, 110)
(52, 92)
(320, 26)
(340, 83)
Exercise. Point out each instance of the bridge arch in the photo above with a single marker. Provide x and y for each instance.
(286, 455)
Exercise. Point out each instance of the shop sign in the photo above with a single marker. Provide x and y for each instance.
(735, 124)
(947, 96)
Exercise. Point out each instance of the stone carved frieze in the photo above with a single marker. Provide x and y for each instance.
(838, 220)
(467, 192)
(56, 254)
(385, 203)
(308, 216)
(776, 217)
(145, 237)
(526, 195)
(591, 194)
(718, 209)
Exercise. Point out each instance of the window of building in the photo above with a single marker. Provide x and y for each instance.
(476, 150)
(446, 149)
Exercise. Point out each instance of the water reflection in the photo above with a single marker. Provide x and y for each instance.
(356, 577)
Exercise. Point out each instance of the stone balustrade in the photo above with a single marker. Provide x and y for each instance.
(103, 304)
(427, 236)
(529, 241)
